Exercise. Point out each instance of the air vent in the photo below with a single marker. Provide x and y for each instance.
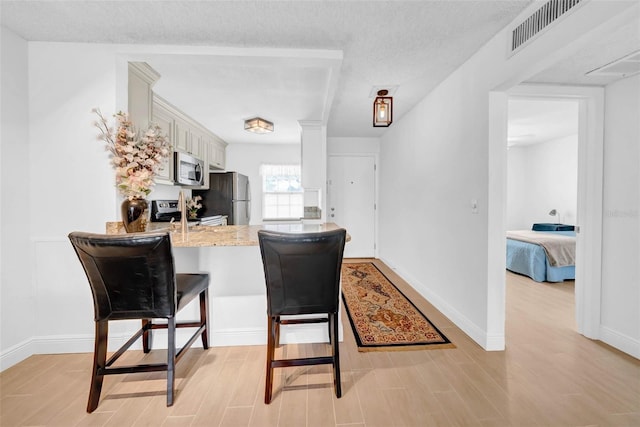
(623, 67)
(539, 20)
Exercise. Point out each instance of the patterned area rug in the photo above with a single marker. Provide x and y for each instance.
(382, 318)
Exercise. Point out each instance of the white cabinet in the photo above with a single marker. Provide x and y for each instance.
(163, 117)
(217, 153)
(141, 78)
(190, 137)
(185, 134)
(198, 146)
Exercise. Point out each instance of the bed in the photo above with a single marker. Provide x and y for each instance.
(543, 254)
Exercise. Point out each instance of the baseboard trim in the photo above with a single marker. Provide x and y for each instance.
(622, 342)
(16, 354)
(476, 333)
(61, 344)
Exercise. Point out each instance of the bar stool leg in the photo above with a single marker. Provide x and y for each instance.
(99, 362)
(271, 338)
(171, 359)
(147, 336)
(336, 353)
(204, 316)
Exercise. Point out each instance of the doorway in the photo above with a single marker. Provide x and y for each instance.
(351, 201)
(589, 201)
(542, 188)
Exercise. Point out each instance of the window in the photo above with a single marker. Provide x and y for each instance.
(282, 196)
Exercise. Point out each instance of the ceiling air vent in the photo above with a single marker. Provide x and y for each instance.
(623, 67)
(539, 20)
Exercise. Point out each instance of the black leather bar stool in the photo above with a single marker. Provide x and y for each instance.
(132, 276)
(302, 273)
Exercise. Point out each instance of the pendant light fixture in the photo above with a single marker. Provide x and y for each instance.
(382, 109)
(258, 125)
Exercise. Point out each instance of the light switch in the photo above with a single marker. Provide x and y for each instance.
(474, 206)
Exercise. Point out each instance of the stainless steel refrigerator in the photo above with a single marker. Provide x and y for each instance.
(229, 194)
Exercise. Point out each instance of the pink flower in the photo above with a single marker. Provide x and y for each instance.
(136, 157)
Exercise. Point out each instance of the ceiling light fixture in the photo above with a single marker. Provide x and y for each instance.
(258, 125)
(382, 109)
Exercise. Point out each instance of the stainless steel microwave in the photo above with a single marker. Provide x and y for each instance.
(188, 170)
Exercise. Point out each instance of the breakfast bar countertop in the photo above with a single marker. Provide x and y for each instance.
(224, 235)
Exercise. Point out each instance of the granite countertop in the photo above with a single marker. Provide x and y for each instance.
(223, 235)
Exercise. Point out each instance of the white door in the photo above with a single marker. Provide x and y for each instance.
(351, 201)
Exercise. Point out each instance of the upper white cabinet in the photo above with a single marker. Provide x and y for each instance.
(185, 134)
(197, 146)
(141, 80)
(162, 116)
(217, 154)
(189, 136)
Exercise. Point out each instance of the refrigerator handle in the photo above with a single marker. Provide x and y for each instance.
(248, 202)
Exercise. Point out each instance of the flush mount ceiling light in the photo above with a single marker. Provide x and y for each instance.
(258, 125)
(382, 109)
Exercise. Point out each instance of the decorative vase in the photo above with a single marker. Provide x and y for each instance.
(193, 214)
(135, 215)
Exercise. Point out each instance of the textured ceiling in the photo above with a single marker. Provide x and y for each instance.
(409, 44)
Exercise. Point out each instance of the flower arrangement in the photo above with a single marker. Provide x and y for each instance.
(193, 205)
(136, 156)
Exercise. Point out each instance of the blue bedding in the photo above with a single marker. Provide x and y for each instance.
(531, 260)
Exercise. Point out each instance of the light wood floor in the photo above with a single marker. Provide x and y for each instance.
(548, 376)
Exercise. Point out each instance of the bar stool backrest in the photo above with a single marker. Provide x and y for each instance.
(131, 276)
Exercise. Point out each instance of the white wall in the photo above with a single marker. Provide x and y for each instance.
(517, 181)
(353, 145)
(72, 181)
(68, 186)
(16, 265)
(436, 159)
(541, 177)
(247, 158)
(433, 162)
(620, 315)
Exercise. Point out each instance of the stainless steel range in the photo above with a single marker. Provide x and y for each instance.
(167, 211)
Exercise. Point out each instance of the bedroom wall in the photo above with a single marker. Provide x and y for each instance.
(620, 314)
(517, 182)
(541, 177)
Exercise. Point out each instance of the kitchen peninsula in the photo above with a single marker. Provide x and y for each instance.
(237, 292)
(223, 235)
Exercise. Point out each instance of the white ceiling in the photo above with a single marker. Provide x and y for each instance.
(222, 91)
(298, 60)
(541, 120)
(623, 41)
